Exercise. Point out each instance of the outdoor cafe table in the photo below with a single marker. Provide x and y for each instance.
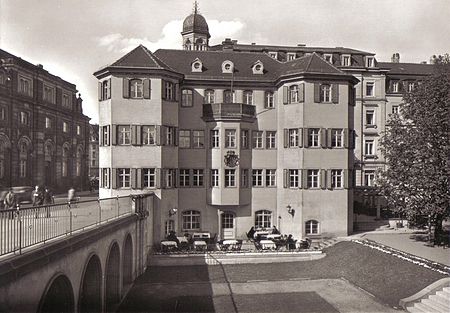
(267, 244)
(167, 245)
(261, 234)
(201, 235)
(229, 243)
(200, 245)
(274, 236)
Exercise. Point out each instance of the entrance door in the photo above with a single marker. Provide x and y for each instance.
(228, 231)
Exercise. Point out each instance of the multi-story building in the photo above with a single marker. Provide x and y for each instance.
(43, 133)
(234, 136)
(93, 151)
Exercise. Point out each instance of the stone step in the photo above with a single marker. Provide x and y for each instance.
(426, 308)
(436, 305)
(441, 298)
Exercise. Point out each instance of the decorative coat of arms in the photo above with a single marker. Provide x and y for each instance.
(231, 159)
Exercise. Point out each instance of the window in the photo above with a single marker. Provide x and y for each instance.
(336, 179)
(395, 86)
(244, 178)
(294, 93)
(148, 135)
(313, 137)
(228, 96)
(257, 178)
(369, 147)
(257, 139)
(187, 98)
(149, 175)
(227, 67)
(293, 178)
(214, 178)
(197, 65)
(313, 179)
(410, 86)
(105, 135)
(293, 137)
(169, 227)
(25, 86)
(198, 138)
(170, 178)
(184, 178)
(325, 93)
(215, 138)
(291, 56)
(24, 118)
(369, 178)
(65, 127)
(105, 177)
(23, 168)
(48, 123)
(124, 177)
(49, 94)
(2, 113)
(258, 68)
(337, 138)
(66, 100)
(263, 219)
(169, 90)
(191, 220)
(230, 138)
(65, 161)
(184, 138)
(370, 62)
(269, 102)
(271, 139)
(170, 136)
(395, 109)
(244, 139)
(370, 118)
(78, 130)
(248, 97)
(271, 178)
(328, 57)
(105, 90)
(209, 96)
(124, 134)
(370, 87)
(346, 60)
(78, 162)
(136, 88)
(197, 178)
(273, 55)
(312, 227)
(230, 178)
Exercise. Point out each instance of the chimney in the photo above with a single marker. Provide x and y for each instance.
(396, 58)
(301, 45)
(423, 62)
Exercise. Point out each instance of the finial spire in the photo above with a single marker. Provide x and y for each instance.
(195, 7)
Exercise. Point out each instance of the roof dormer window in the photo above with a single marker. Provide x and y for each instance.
(258, 67)
(328, 57)
(227, 67)
(346, 60)
(291, 56)
(197, 66)
(273, 55)
(370, 61)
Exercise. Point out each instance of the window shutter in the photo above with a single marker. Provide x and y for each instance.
(301, 92)
(352, 138)
(100, 135)
(147, 88)
(391, 86)
(108, 138)
(158, 178)
(133, 178)
(138, 135)
(206, 178)
(108, 91)
(329, 131)
(177, 91)
(304, 179)
(316, 92)
(133, 135)
(100, 91)
(114, 178)
(305, 138)
(323, 137)
(346, 178)
(113, 134)
(285, 178)
(323, 179)
(176, 135)
(126, 88)
(329, 179)
(300, 137)
(285, 95)
(346, 139)
(162, 134)
(286, 138)
(139, 178)
(163, 89)
(335, 93)
(158, 135)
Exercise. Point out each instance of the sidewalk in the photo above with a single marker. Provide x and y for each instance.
(411, 241)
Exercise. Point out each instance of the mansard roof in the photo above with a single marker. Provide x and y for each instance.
(407, 68)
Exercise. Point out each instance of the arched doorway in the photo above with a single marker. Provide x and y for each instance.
(91, 287)
(227, 225)
(127, 261)
(58, 297)
(112, 292)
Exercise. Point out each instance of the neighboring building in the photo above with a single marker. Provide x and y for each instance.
(43, 133)
(93, 151)
(234, 136)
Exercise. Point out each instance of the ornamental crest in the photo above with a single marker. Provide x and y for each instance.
(231, 159)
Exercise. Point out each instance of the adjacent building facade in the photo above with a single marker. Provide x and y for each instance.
(93, 151)
(43, 133)
(234, 136)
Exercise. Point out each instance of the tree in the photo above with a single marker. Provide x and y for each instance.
(416, 145)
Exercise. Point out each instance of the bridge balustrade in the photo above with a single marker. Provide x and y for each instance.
(24, 227)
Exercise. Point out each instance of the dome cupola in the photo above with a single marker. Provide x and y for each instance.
(195, 31)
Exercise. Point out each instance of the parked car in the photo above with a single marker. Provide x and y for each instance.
(24, 194)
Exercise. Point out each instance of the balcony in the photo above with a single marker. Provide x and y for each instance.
(229, 112)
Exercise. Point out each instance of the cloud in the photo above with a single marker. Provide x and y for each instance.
(170, 36)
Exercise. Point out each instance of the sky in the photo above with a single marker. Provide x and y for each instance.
(74, 38)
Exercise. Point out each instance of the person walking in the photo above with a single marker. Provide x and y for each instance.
(37, 196)
(10, 202)
(48, 199)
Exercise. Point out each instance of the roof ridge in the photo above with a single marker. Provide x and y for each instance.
(310, 60)
(154, 58)
(330, 64)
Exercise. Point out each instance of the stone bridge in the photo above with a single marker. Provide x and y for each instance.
(89, 271)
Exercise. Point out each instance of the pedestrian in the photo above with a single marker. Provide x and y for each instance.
(37, 196)
(48, 199)
(10, 202)
(71, 195)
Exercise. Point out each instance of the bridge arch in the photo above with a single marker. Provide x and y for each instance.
(127, 263)
(58, 296)
(90, 299)
(112, 273)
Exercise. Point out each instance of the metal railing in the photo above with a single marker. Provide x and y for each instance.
(229, 110)
(24, 227)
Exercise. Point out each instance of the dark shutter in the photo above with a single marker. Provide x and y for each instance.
(346, 179)
(113, 178)
(163, 89)
(286, 138)
(329, 179)
(126, 88)
(301, 92)
(329, 139)
(300, 137)
(285, 95)
(108, 91)
(100, 135)
(323, 179)
(323, 137)
(133, 178)
(139, 178)
(285, 178)
(147, 88)
(100, 98)
(316, 92)
(113, 134)
(176, 96)
(305, 138)
(335, 93)
(133, 135)
(158, 135)
(176, 134)
(304, 178)
(158, 178)
(346, 138)
(138, 135)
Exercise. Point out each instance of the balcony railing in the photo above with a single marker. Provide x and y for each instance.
(228, 111)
